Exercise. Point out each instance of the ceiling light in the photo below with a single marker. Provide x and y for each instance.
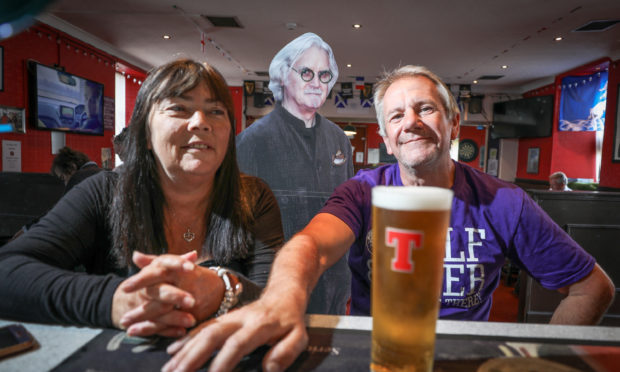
(558, 38)
(349, 65)
(475, 81)
(167, 37)
(504, 66)
(357, 26)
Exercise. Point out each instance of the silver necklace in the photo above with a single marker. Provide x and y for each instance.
(188, 236)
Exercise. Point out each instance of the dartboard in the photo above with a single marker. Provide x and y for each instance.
(468, 150)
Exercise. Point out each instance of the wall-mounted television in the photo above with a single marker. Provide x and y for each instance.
(523, 118)
(64, 102)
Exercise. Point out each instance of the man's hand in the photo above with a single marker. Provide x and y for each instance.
(277, 321)
(168, 295)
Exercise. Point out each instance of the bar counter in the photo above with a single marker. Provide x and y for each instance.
(336, 342)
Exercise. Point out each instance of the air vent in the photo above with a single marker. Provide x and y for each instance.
(490, 77)
(230, 22)
(261, 73)
(598, 26)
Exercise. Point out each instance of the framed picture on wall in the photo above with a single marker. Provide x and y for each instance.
(1, 68)
(12, 120)
(533, 154)
(616, 150)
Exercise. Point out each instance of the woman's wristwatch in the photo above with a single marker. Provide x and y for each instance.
(232, 291)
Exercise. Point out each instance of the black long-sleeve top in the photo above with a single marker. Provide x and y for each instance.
(38, 277)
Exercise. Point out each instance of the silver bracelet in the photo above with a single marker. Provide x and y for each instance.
(232, 291)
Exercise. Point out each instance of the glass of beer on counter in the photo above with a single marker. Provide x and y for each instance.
(409, 225)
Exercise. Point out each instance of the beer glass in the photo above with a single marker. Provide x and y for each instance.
(409, 226)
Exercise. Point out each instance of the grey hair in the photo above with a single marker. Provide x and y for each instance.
(448, 101)
(287, 56)
(559, 176)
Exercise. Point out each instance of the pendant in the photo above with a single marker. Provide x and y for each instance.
(188, 236)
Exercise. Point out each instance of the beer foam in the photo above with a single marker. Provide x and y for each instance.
(412, 198)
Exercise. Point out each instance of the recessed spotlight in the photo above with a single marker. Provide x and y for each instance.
(558, 38)
(504, 66)
(475, 81)
(167, 37)
(349, 65)
(357, 26)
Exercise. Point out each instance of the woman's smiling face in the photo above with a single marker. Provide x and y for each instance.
(189, 134)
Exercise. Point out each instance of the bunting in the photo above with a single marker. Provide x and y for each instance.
(346, 90)
(340, 101)
(366, 99)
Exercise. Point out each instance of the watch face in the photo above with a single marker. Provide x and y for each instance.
(468, 150)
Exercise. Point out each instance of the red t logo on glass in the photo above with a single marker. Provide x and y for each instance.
(404, 242)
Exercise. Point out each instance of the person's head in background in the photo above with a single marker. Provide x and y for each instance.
(67, 162)
(558, 182)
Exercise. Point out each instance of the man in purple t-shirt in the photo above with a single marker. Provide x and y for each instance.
(491, 220)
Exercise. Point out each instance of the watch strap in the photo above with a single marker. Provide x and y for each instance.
(232, 289)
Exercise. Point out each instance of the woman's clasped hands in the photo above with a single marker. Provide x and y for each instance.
(169, 294)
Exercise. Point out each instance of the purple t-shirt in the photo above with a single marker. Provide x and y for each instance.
(491, 220)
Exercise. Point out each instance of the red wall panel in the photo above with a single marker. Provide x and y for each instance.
(544, 157)
(575, 154)
(372, 133)
(237, 96)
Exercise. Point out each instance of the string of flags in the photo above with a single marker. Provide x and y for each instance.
(348, 90)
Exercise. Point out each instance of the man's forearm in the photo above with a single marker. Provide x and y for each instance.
(587, 300)
(304, 258)
(578, 310)
(295, 269)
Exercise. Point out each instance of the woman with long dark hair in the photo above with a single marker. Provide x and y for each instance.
(198, 236)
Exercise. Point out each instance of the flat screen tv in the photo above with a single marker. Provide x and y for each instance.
(523, 118)
(64, 102)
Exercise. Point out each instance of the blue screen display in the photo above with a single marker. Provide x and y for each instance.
(65, 102)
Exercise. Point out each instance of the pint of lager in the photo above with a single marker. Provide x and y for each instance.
(409, 226)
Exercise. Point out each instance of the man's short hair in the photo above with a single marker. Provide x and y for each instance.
(449, 103)
(287, 56)
(558, 177)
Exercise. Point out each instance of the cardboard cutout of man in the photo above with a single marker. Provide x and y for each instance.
(299, 153)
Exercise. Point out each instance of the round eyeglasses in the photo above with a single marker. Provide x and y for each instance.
(307, 74)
